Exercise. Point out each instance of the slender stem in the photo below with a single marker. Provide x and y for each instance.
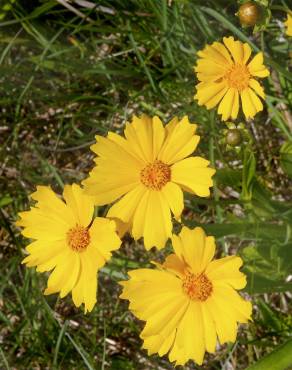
(212, 160)
(219, 213)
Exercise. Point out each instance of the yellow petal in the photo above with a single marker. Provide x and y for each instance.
(148, 288)
(124, 209)
(257, 87)
(235, 105)
(226, 106)
(42, 246)
(145, 136)
(166, 319)
(124, 144)
(104, 193)
(77, 291)
(103, 238)
(49, 220)
(72, 274)
(257, 68)
(155, 303)
(180, 141)
(50, 263)
(81, 205)
(60, 274)
(226, 270)
(226, 327)
(121, 227)
(89, 283)
(246, 52)
(216, 52)
(174, 264)
(159, 344)
(190, 333)
(45, 229)
(158, 223)
(210, 92)
(42, 251)
(235, 48)
(240, 309)
(174, 198)
(208, 70)
(162, 341)
(86, 288)
(117, 171)
(288, 24)
(51, 204)
(193, 175)
(158, 136)
(197, 249)
(211, 103)
(209, 329)
(248, 107)
(256, 101)
(229, 105)
(140, 215)
(114, 148)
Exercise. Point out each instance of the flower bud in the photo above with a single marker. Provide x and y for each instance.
(249, 14)
(233, 137)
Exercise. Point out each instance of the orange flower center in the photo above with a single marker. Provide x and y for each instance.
(238, 77)
(197, 287)
(78, 238)
(155, 175)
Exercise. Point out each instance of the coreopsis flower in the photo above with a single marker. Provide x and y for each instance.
(68, 240)
(145, 174)
(288, 24)
(225, 74)
(190, 300)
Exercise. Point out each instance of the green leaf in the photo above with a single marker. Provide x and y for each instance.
(267, 265)
(270, 318)
(286, 157)
(5, 201)
(228, 177)
(279, 359)
(248, 174)
(244, 230)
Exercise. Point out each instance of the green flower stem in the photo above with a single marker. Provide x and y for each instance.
(219, 214)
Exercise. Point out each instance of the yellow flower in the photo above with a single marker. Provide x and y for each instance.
(145, 173)
(288, 24)
(69, 241)
(189, 300)
(225, 74)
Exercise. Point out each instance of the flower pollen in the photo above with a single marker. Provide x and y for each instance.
(155, 175)
(78, 238)
(238, 77)
(197, 287)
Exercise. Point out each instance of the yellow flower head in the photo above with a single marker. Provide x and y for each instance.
(225, 74)
(189, 300)
(145, 173)
(68, 241)
(288, 24)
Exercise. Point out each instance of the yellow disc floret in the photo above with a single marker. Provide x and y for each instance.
(197, 287)
(78, 238)
(238, 77)
(155, 175)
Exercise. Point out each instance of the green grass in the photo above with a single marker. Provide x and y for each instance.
(65, 77)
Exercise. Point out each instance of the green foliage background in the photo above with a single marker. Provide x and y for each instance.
(70, 72)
